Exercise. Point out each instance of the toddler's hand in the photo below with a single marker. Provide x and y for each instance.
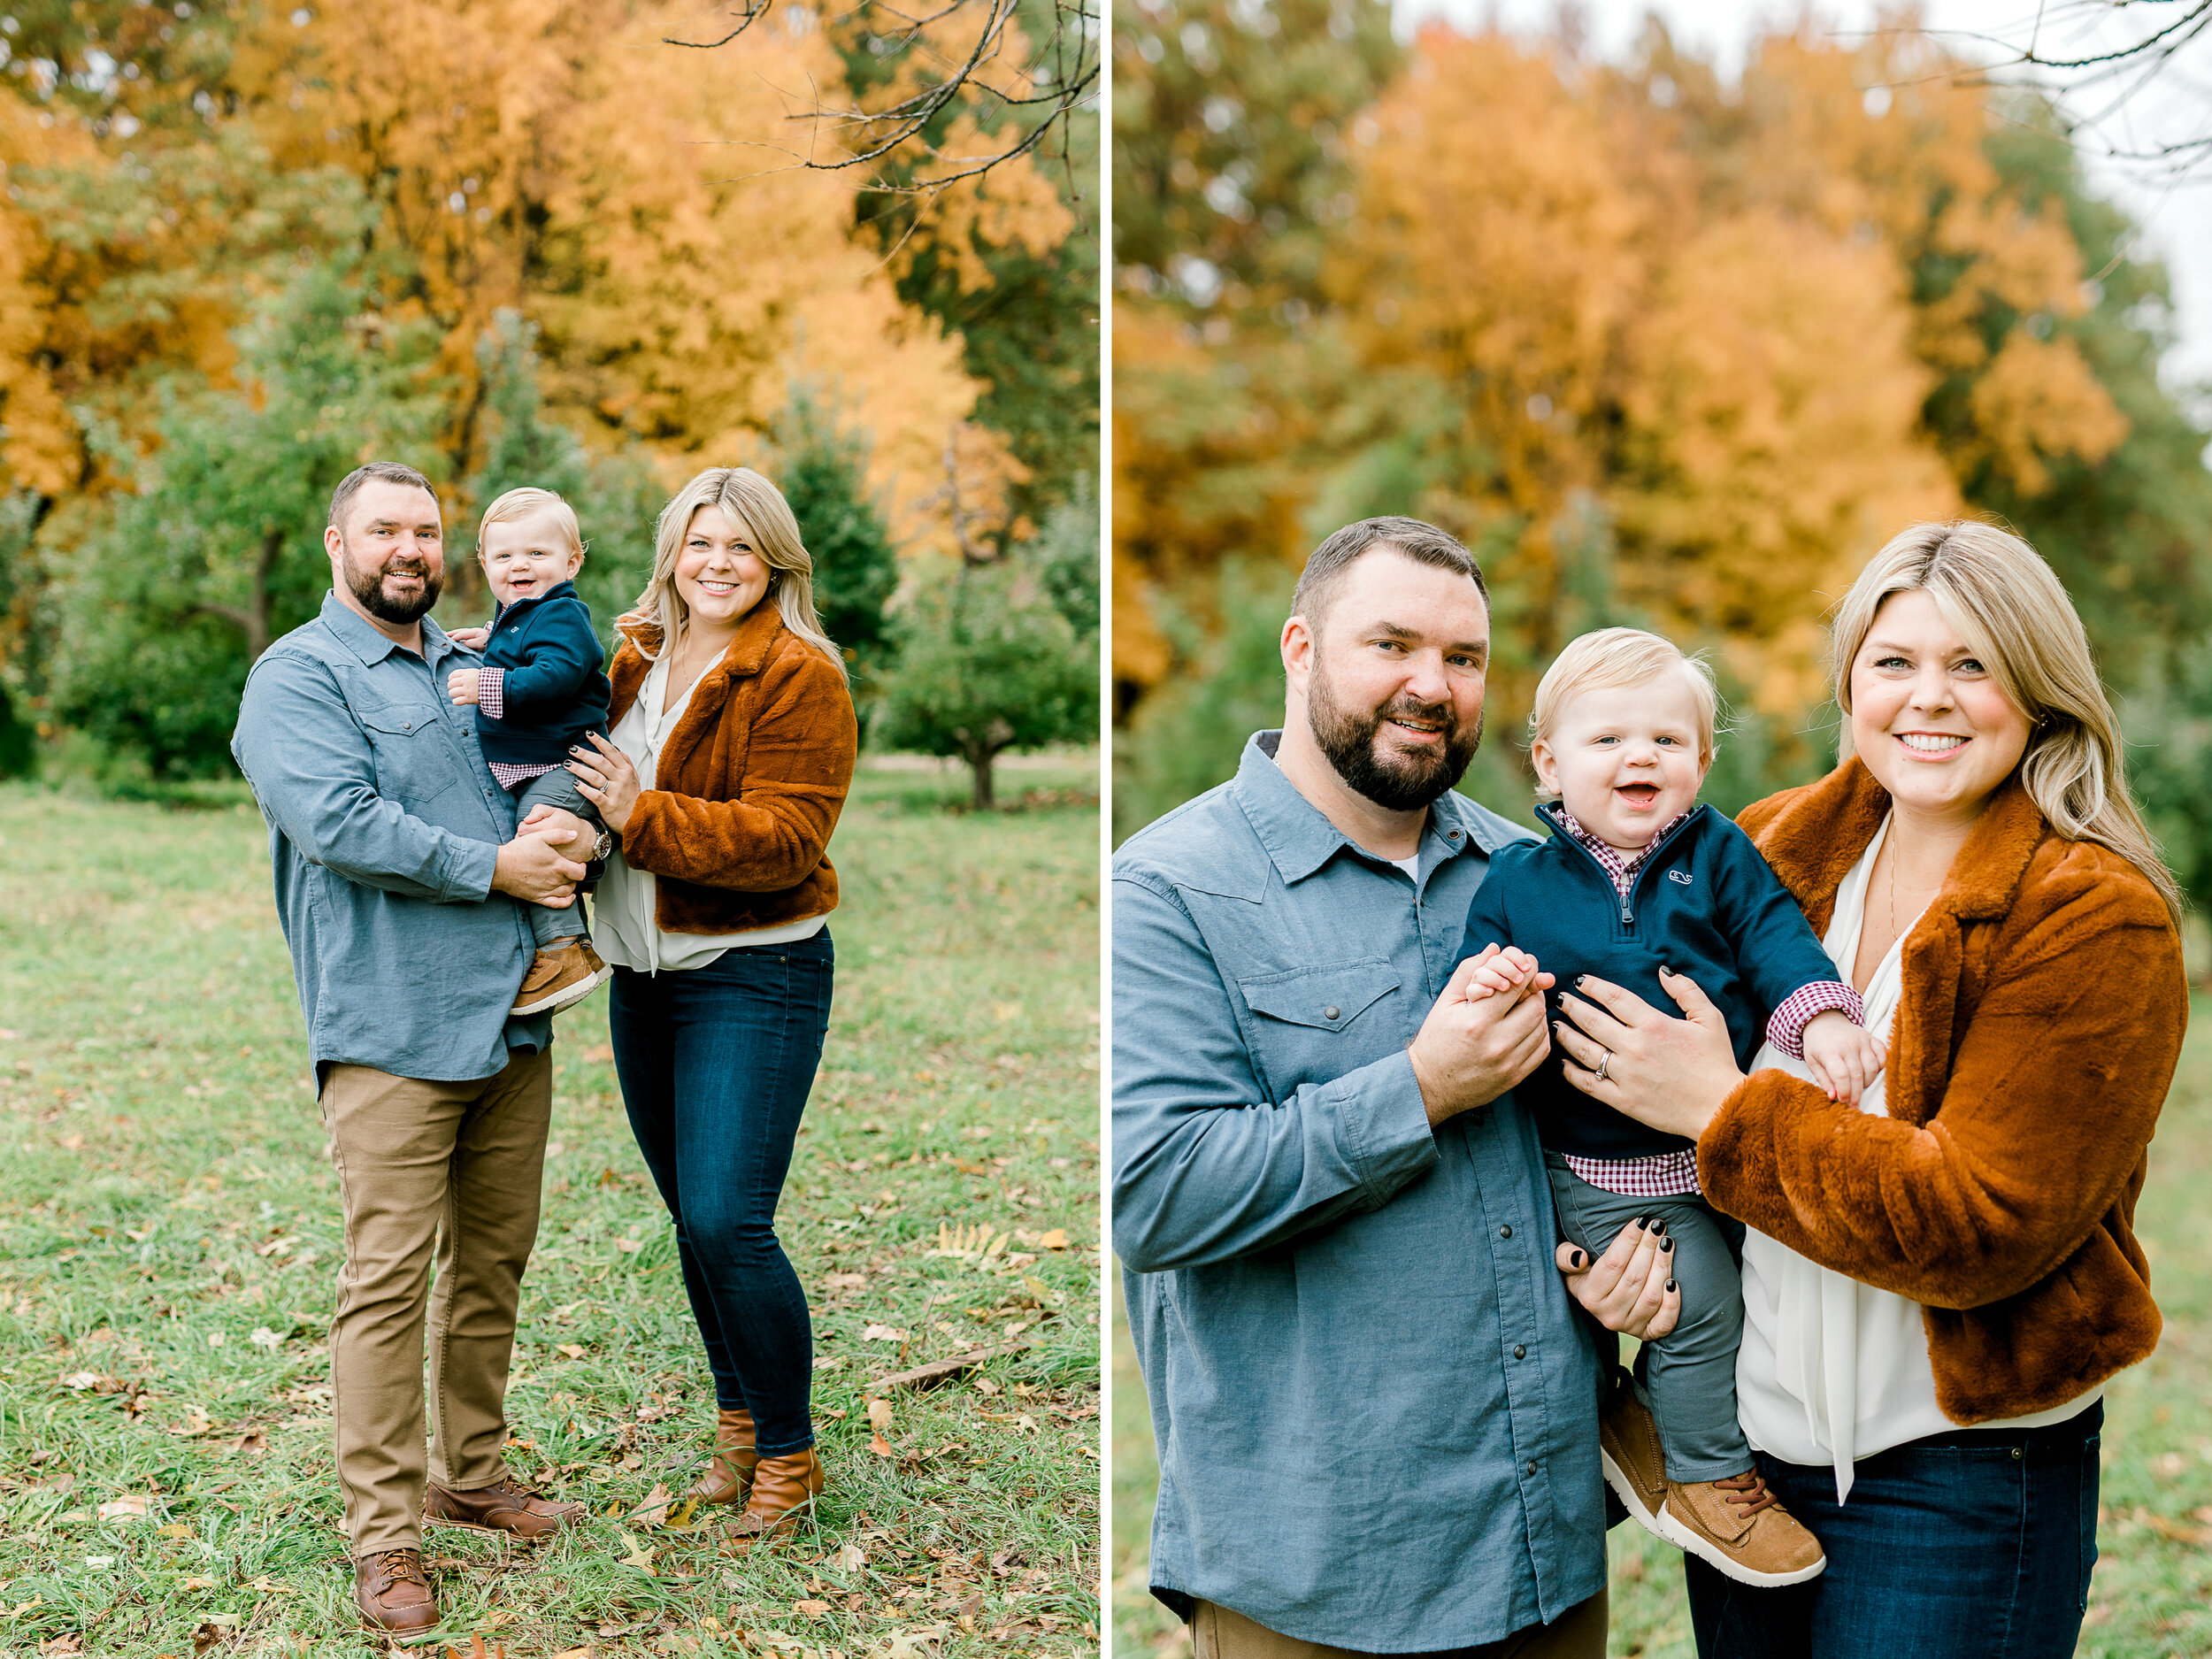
(461, 686)
(1501, 975)
(469, 638)
(1842, 1058)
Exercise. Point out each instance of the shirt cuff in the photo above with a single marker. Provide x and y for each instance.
(491, 691)
(1386, 1124)
(1786, 1030)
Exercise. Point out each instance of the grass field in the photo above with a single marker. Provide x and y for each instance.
(169, 1231)
(2153, 1592)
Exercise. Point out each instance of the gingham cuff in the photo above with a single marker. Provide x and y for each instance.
(1787, 1029)
(491, 691)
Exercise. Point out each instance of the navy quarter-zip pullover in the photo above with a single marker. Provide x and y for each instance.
(554, 691)
(1703, 904)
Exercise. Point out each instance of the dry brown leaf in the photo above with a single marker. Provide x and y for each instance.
(1056, 1240)
(131, 1507)
(881, 1446)
(810, 1610)
(849, 1557)
(879, 1413)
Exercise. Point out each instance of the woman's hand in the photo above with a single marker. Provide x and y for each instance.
(1630, 1287)
(1670, 1074)
(608, 780)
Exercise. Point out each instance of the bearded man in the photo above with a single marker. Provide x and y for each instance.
(400, 882)
(1375, 1410)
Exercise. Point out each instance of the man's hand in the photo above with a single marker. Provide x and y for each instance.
(530, 868)
(1631, 1286)
(1472, 1049)
(460, 684)
(561, 827)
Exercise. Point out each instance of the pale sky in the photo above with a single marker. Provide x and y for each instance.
(2177, 223)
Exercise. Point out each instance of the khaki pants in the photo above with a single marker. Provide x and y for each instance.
(453, 1169)
(1579, 1634)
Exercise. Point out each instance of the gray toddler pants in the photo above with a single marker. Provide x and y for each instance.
(1688, 1376)
(551, 927)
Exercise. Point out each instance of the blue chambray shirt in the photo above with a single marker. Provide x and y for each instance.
(384, 826)
(1375, 1406)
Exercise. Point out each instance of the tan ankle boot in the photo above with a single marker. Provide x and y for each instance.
(783, 1490)
(729, 1477)
(1741, 1528)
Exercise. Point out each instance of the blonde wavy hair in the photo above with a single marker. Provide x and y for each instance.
(2009, 608)
(758, 506)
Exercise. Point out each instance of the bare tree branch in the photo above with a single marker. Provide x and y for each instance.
(1016, 107)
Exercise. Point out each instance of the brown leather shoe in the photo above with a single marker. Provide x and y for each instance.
(502, 1507)
(783, 1490)
(1629, 1452)
(560, 977)
(1740, 1527)
(391, 1591)
(729, 1477)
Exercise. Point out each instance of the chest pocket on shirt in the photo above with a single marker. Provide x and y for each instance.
(413, 762)
(1307, 1014)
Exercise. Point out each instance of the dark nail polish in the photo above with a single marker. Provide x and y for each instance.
(1639, 1221)
(1666, 1246)
(1579, 978)
(1659, 1226)
(1578, 1258)
(1671, 1285)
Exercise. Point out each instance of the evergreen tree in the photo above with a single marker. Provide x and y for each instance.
(168, 589)
(823, 474)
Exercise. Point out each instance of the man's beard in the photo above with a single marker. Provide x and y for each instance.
(1399, 783)
(368, 586)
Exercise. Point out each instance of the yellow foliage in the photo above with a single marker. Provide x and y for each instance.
(2038, 401)
(1771, 399)
(40, 447)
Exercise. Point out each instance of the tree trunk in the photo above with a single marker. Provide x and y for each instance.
(253, 619)
(979, 760)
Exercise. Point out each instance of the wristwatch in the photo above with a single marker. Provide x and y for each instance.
(603, 846)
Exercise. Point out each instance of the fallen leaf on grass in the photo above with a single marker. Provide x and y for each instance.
(578, 1653)
(879, 1413)
(573, 1350)
(639, 1555)
(176, 1529)
(1056, 1240)
(197, 1584)
(197, 1421)
(847, 1281)
(883, 1333)
(881, 1446)
(810, 1610)
(264, 1337)
(653, 1509)
(69, 1643)
(2175, 1530)
(629, 1246)
(81, 1381)
(133, 1507)
(211, 1631)
(600, 1054)
(849, 1558)
(252, 1440)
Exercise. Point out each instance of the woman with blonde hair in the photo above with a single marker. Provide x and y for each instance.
(730, 750)
(1939, 1283)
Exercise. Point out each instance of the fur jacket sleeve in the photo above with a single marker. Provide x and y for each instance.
(2041, 1020)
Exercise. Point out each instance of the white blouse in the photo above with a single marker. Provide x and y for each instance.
(626, 927)
(1830, 1369)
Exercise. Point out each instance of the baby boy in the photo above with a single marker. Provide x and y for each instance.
(1636, 877)
(539, 692)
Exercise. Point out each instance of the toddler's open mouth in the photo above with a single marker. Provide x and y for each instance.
(1638, 794)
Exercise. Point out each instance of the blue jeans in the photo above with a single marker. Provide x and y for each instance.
(1972, 1544)
(716, 1064)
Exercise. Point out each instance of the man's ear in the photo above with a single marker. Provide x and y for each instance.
(332, 543)
(1298, 645)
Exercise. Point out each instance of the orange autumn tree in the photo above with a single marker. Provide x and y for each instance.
(1658, 351)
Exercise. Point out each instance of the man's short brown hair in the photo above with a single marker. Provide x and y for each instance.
(383, 473)
(1423, 543)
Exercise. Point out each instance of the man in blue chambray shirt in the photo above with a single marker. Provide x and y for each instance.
(401, 884)
(1376, 1412)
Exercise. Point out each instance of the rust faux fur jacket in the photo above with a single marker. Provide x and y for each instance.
(748, 785)
(2040, 1021)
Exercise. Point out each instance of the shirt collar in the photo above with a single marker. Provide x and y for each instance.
(373, 645)
(1570, 826)
(1300, 840)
